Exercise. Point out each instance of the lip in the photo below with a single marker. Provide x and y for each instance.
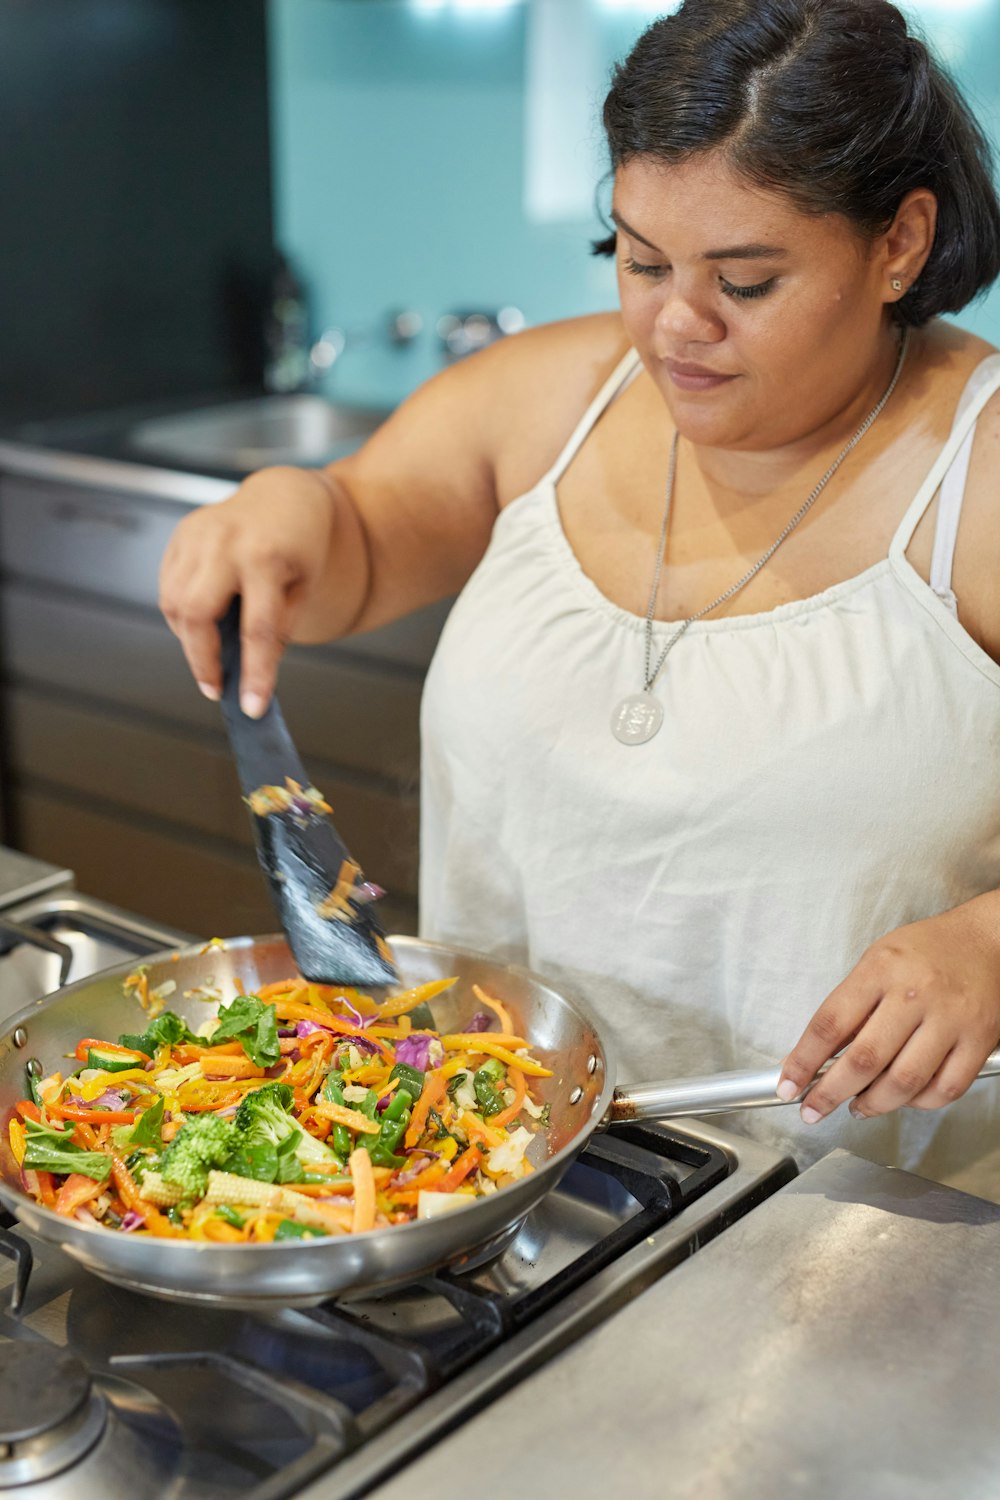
(695, 377)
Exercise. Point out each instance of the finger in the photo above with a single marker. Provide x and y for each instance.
(908, 1073)
(956, 1074)
(873, 1050)
(264, 633)
(841, 1016)
(195, 626)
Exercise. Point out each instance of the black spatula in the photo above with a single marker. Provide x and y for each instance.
(321, 897)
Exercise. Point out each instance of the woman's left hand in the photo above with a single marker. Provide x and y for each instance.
(917, 1016)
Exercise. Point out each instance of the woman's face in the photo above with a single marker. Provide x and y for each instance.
(758, 323)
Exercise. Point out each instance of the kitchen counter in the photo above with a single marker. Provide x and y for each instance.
(108, 471)
(841, 1340)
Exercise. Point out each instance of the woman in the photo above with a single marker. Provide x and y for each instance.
(707, 737)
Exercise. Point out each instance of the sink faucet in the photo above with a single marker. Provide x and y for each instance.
(398, 329)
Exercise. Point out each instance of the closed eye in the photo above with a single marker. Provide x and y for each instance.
(641, 268)
(759, 289)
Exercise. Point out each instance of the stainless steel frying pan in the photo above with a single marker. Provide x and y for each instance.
(300, 1273)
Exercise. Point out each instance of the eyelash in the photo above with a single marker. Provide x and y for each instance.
(743, 293)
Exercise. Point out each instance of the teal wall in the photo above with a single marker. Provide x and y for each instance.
(432, 156)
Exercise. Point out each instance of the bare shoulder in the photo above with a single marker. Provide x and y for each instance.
(977, 556)
(541, 382)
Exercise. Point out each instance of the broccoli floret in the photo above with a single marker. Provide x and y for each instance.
(199, 1146)
(48, 1150)
(265, 1116)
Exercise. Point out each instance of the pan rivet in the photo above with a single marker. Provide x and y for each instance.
(20, 1037)
(576, 1095)
(591, 1064)
(34, 1067)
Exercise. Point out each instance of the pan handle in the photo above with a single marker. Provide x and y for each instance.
(717, 1092)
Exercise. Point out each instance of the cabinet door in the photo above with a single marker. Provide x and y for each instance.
(110, 543)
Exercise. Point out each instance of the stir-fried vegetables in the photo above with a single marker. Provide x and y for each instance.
(298, 1112)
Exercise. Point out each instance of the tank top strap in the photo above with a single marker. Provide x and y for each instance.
(948, 473)
(621, 376)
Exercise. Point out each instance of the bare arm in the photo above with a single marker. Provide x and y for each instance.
(318, 554)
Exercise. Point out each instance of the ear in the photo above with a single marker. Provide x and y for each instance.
(905, 246)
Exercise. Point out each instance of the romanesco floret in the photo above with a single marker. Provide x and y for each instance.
(265, 1115)
(198, 1146)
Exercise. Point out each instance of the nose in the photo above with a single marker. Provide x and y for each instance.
(685, 318)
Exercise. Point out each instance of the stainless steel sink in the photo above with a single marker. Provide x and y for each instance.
(246, 435)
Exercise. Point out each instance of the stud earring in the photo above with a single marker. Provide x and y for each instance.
(896, 284)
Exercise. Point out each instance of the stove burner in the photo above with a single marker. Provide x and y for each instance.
(67, 1436)
(50, 1416)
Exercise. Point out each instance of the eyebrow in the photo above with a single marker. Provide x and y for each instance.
(729, 252)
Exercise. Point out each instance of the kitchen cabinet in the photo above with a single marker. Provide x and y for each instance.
(115, 765)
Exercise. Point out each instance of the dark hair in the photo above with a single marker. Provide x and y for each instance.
(830, 102)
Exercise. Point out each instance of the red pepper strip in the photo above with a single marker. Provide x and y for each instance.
(28, 1110)
(93, 1116)
(46, 1188)
(75, 1192)
(82, 1048)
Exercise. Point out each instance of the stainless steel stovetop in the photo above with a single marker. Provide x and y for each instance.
(106, 1393)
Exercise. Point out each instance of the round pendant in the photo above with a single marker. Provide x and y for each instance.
(636, 719)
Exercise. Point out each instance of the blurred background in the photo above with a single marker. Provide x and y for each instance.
(238, 232)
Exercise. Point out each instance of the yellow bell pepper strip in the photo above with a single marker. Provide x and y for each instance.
(397, 1005)
(499, 1009)
(16, 1136)
(486, 1044)
(137, 1080)
(359, 1165)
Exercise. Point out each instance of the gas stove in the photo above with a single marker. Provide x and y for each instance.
(104, 1392)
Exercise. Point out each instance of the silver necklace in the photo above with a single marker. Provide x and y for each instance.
(639, 716)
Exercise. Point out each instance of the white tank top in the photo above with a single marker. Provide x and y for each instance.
(826, 771)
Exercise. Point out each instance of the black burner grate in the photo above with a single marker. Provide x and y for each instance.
(345, 1372)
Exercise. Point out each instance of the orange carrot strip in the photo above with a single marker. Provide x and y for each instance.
(434, 1089)
(128, 1190)
(290, 1010)
(281, 987)
(359, 1165)
(516, 1078)
(488, 1044)
(230, 1067)
(497, 1006)
(188, 1052)
(341, 1115)
(466, 1163)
